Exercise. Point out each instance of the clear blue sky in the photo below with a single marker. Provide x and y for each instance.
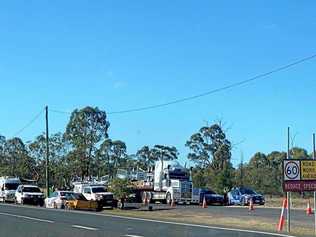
(123, 54)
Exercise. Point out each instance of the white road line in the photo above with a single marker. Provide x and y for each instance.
(133, 236)
(84, 227)
(26, 217)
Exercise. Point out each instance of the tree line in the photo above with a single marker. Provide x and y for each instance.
(85, 149)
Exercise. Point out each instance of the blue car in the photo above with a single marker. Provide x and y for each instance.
(242, 196)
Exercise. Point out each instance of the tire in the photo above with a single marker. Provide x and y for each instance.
(242, 202)
(168, 199)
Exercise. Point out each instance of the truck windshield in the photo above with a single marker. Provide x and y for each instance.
(31, 190)
(179, 175)
(11, 186)
(98, 190)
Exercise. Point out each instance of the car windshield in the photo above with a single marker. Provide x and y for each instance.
(11, 186)
(247, 191)
(98, 190)
(65, 194)
(76, 196)
(31, 190)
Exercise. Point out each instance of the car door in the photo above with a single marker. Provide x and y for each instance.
(52, 199)
(87, 193)
(18, 194)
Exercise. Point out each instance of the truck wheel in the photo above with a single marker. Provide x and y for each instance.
(168, 199)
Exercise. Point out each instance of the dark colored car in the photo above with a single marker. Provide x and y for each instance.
(211, 197)
(243, 195)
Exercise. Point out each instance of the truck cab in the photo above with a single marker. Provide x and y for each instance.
(172, 182)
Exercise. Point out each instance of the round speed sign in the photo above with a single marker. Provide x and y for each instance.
(292, 170)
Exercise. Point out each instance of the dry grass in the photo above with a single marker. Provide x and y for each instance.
(299, 203)
(261, 224)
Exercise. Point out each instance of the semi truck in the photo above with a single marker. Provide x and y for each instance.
(167, 182)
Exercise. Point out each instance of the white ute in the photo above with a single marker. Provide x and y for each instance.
(29, 194)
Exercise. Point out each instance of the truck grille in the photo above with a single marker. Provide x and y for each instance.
(186, 190)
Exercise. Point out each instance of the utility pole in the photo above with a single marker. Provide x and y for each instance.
(288, 194)
(47, 153)
(314, 157)
(242, 169)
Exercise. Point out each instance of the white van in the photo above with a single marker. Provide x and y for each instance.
(8, 186)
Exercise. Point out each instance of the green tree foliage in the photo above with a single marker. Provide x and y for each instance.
(145, 158)
(298, 153)
(121, 188)
(15, 160)
(86, 128)
(59, 172)
(264, 172)
(111, 156)
(159, 152)
(211, 151)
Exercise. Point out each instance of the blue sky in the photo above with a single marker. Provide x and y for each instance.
(124, 54)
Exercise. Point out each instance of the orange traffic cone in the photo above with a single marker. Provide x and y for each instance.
(173, 203)
(204, 203)
(309, 209)
(146, 202)
(282, 218)
(251, 206)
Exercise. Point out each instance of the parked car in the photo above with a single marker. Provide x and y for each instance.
(211, 197)
(243, 195)
(98, 193)
(29, 194)
(77, 201)
(57, 199)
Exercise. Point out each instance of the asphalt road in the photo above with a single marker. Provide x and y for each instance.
(23, 221)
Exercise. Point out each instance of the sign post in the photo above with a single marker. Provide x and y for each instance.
(288, 194)
(314, 157)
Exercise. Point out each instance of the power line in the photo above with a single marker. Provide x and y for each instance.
(29, 123)
(239, 83)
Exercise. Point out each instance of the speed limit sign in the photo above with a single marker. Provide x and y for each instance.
(291, 170)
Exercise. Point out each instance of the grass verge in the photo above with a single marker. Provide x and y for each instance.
(250, 223)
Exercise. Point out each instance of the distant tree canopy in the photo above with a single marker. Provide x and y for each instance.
(211, 151)
(85, 149)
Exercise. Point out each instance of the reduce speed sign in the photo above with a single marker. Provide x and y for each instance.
(291, 170)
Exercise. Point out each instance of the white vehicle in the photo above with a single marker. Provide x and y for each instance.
(8, 186)
(57, 199)
(29, 194)
(168, 182)
(95, 192)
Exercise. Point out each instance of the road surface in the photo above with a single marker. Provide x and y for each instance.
(23, 221)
